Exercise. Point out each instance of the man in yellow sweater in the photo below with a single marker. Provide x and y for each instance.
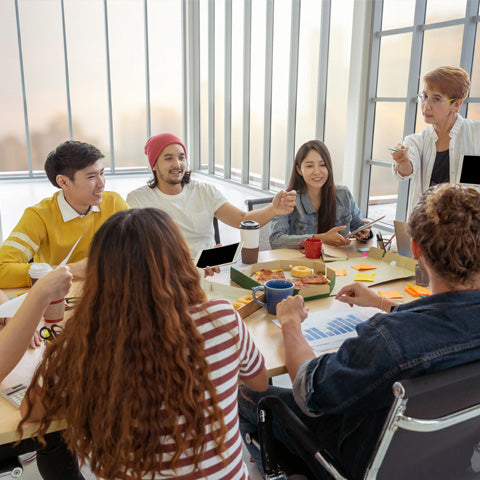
(47, 231)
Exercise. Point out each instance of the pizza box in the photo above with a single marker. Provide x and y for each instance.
(218, 290)
(245, 280)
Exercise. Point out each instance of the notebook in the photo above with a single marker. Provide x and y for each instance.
(403, 238)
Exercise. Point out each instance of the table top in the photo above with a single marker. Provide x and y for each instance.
(267, 336)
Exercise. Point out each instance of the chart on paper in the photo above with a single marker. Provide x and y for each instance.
(328, 329)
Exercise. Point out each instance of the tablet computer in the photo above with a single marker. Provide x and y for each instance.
(218, 256)
(364, 226)
(470, 170)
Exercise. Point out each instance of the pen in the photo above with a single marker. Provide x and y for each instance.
(393, 149)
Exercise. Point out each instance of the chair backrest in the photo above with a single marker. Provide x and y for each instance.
(216, 231)
(432, 429)
(254, 204)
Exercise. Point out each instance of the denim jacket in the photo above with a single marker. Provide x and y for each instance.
(289, 230)
(355, 383)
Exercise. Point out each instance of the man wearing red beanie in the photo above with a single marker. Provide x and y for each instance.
(193, 204)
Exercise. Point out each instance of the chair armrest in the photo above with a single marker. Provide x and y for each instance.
(257, 201)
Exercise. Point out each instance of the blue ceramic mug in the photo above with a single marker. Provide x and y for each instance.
(275, 290)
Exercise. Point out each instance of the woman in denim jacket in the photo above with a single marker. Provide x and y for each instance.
(322, 209)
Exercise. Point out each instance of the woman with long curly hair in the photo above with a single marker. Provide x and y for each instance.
(322, 209)
(145, 373)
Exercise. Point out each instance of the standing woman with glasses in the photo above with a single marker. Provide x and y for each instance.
(433, 156)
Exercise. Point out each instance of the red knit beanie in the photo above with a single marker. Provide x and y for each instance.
(155, 146)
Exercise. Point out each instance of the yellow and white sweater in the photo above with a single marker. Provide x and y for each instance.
(44, 235)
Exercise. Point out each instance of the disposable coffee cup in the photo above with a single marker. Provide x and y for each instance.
(250, 234)
(38, 270)
(56, 310)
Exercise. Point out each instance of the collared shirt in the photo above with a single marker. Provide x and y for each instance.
(422, 150)
(355, 383)
(68, 212)
(287, 231)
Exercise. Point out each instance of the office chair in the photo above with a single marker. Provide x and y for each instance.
(432, 431)
(11, 467)
(253, 204)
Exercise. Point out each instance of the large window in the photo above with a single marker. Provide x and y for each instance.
(409, 39)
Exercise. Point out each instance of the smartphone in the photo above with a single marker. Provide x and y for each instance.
(218, 256)
(366, 225)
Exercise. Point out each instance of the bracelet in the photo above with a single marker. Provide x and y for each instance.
(381, 305)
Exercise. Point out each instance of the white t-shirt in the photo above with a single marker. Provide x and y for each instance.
(192, 210)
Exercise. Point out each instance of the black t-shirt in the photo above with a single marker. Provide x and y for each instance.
(441, 168)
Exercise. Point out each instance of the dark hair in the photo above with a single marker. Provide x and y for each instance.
(186, 179)
(130, 367)
(446, 225)
(68, 158)
(327, 213)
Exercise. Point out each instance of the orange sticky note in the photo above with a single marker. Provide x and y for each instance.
(412, 292)
(363, 266)
(420, 290)
(364, 277)
(339, 272)
(390, 294)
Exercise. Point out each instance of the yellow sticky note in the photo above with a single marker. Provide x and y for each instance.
(363, 266)
(339, 272)
(390, 294)
(364, 277)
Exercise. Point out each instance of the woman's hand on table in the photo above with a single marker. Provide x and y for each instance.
(359, 294)
(333, 238)
(36, 341)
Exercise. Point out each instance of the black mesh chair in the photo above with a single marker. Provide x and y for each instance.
(254, 204)
(432, 431)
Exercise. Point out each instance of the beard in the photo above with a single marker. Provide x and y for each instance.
(172, 181)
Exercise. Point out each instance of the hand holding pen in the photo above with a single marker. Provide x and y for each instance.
(403, 165)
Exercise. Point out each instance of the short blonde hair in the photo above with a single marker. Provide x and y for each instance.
(446, 225)
(453, 82)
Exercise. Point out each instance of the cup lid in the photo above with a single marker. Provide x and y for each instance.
(38, 270)
(249, 225)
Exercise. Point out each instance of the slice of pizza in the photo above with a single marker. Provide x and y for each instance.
(318, 279)
(264, 275)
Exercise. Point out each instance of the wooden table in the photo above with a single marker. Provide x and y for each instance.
(266, 335)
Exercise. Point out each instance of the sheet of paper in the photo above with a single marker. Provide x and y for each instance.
(65, 261)
(327, 329)
(9, 309)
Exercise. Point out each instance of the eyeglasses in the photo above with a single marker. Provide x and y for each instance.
(432, 101)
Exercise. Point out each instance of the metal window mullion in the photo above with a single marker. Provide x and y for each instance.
(24, 93)
(67, 76)
(247, 62)
(267, 117)
(185, 83)
(292, 86)
(323, 51)
(371, 106)
(195, 52)
(412, 90)
(468, 43)
(148, 119)
(109, 91)
(227, 155)
(211, 87)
